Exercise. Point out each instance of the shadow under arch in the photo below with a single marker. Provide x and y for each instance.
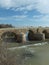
(9, 36)
(46, 34)
(30, 35)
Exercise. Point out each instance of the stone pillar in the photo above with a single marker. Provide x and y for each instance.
(23, 35)
(21, 38)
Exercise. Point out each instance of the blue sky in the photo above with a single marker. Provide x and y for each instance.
(24, 12)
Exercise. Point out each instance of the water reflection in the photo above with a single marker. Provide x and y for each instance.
(31, 55)
(34, 54)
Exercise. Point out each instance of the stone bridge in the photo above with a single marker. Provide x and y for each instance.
(11, 33)
(19, 34)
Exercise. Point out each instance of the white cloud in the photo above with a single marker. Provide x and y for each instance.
(41, 18)
(43, 6)
(28, 7)
(40, 5)
(14, 3)
(5, 3)
(37, 16)
(19, 16)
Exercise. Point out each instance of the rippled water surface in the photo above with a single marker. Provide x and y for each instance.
(34, 54)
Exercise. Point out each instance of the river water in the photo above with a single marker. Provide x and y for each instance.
(34, 54)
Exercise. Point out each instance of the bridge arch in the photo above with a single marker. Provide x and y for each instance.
(46, 32)
(30, 35)
(9, 36)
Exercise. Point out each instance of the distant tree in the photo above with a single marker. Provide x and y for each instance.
(6, 26)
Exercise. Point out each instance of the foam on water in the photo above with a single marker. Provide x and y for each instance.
(25, 46)
(43, 43)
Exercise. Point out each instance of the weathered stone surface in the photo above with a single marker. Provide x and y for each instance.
(35, 36)
(46, 32)
(20, 34)
(21, 38)
(39, 36)
(9, 36)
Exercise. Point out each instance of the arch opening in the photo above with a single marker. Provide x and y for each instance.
(46, 34)
(9, 36)
(30, 35)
